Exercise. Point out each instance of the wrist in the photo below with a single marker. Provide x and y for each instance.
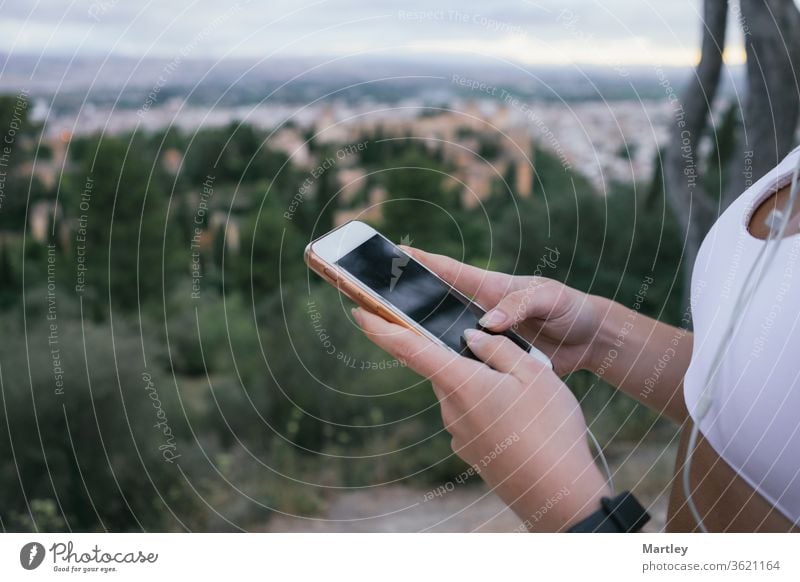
(599, 353)
(586, 501)
(557, 508)
(619, 514)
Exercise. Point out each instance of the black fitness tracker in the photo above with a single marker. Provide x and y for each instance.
(621, 514)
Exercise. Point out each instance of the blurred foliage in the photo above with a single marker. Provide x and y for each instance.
(78, 434)
(123, 189)
(272, 393)
(231, 154)
(606, 245)
(421, 208)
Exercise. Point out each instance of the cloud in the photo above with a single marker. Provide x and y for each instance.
(526, 31)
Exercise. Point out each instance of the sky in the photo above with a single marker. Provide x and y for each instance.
(531, 32)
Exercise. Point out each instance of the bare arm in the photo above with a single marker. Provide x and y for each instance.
(645, 358)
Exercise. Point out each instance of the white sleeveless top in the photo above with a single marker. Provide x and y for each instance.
(753, 422)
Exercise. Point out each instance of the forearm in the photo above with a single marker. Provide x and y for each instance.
(645, 358)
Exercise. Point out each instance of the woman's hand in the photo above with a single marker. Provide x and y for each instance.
(580, 331)
(510, 417)
(562, 322)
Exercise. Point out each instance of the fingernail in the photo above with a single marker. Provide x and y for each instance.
(356, 314)
(494, 317)
(473, 335)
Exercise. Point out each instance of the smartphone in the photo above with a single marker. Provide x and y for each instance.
(382, 278)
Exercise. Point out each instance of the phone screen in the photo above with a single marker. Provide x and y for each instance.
(415, 291)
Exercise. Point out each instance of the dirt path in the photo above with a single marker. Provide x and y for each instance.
(402, 509)
(469, 507)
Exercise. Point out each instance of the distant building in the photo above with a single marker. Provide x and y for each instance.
(329, 130)
(220, 224)
(377, 195)
(478, 184)
(172, 160)
(351, 181)
(48, 170)
(523, 179)
(371, 214)
(291, 142)
(42, 216)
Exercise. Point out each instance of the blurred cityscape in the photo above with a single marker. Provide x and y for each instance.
(502, 121)
(607, 141)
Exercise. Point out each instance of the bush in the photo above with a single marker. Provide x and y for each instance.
(82, 452)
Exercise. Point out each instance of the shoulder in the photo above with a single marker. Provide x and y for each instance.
(791, 157)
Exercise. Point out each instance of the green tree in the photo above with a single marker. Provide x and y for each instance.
(10, 285)
(605, 244)
(17, 189)
(235, 153)
(128, 232)
(420, 209)
(78, 437)
(271, 252)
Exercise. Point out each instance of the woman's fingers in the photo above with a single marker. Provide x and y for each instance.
(440, 365)
(487, 287)
(500, 353)
(538, 299)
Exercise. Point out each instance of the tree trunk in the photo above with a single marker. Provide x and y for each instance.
(772, 41)
(769, 118)
(694, 209)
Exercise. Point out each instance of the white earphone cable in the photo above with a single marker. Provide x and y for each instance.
(603, 460)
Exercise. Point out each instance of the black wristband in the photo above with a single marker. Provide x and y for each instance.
(622, 514)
